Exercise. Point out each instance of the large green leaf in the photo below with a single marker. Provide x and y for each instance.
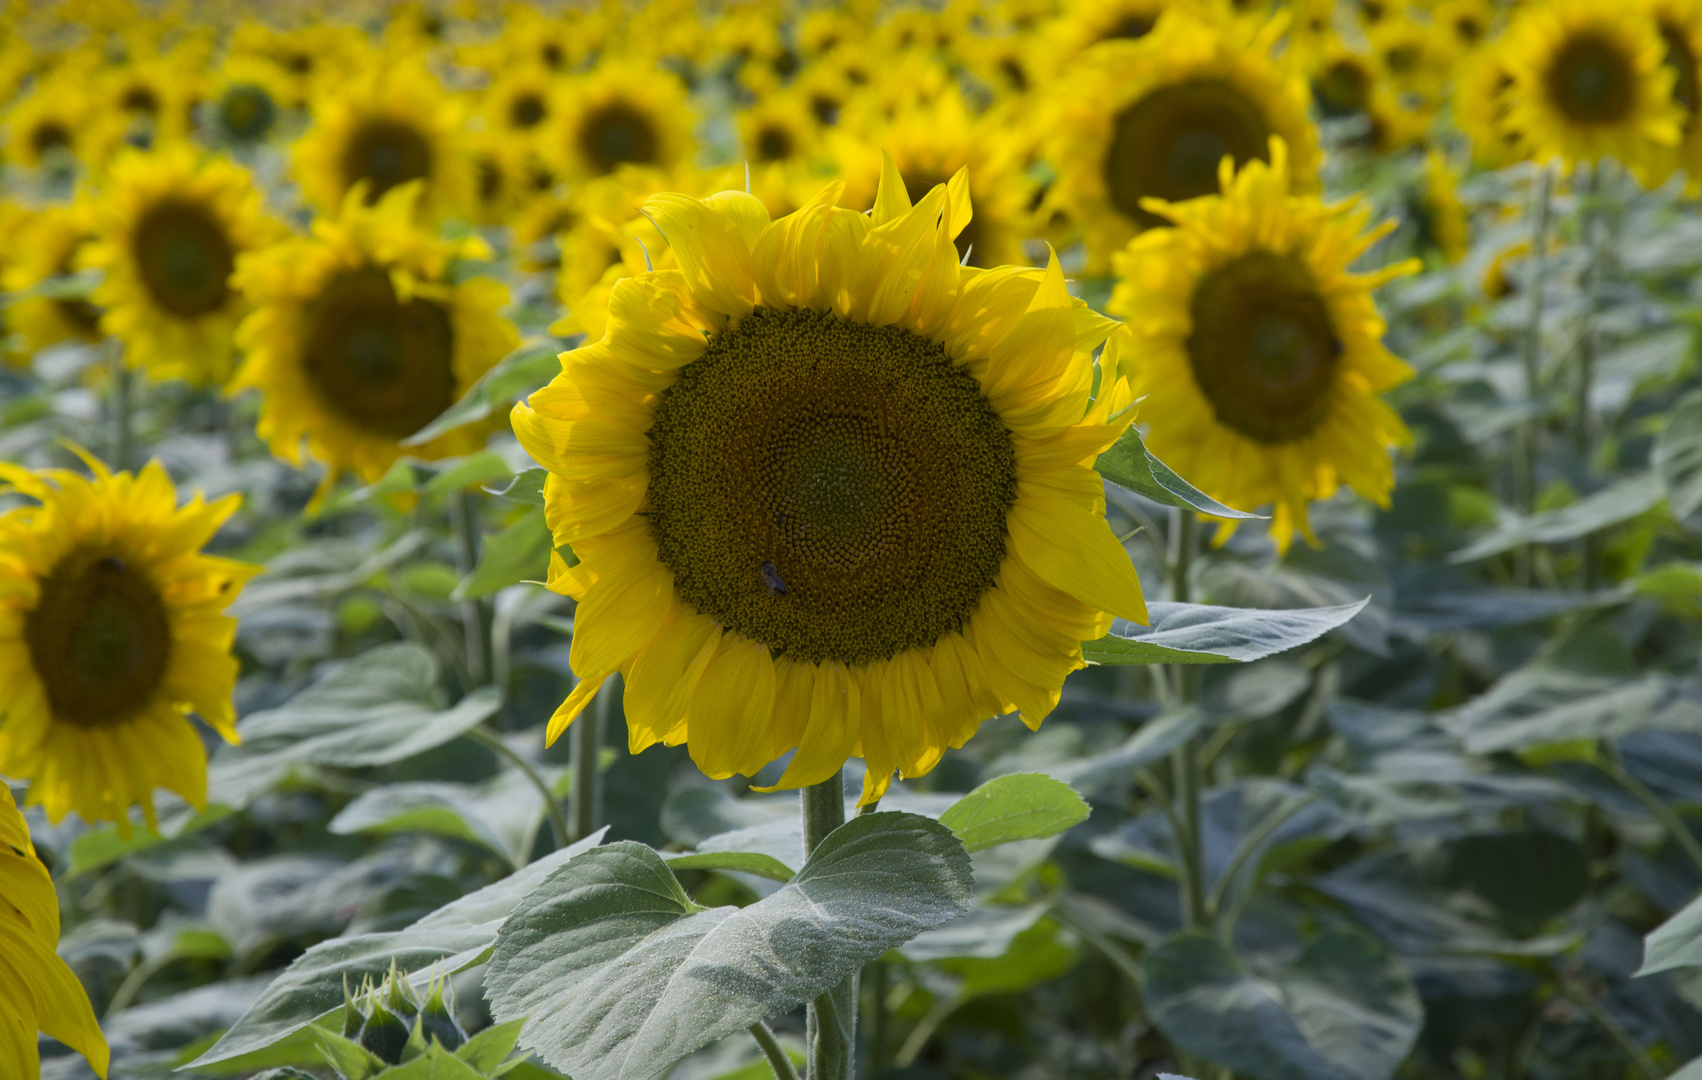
(622, 975)
(1549, 702)
(500, 814)
(521, 552)
(1204, 634)
(1678, 460)
(1676, 942)
(305, 578)
(1619, 501)
(1344, 1010)
(379, 708)
(520, 372)
(1131, 465)
(450, 939)
(1019, 806)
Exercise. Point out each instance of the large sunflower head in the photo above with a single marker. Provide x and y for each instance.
(48, 246)
(391, 128)
(1588, 82)
(1154, 118)
(620, 115)
(41, 991)
(830, 489)
(1259, 355)
(171, 225)
(358, 340)
(111, 632)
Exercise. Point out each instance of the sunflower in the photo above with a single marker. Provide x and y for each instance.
(503, 171)
(1082, 24)
(519, 100)
(780, 129)
(1482, 100)
(171, 225)
(148, 99)
(1679, 23)
(48, 248)
(1589, 82)
(393, 126)
(622, 114)
(1466, 23)
(357, 340)
(1154, 117)
(1259, 356)
(318, 55)
(248, 101)
(831, 490)
(51, 125)
(1343, 81)
(929, 144)
(39, 988)
(1443, 222)
(111, 631)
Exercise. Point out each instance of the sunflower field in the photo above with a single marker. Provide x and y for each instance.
(888, 540)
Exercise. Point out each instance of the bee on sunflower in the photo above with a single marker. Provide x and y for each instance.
(111, 631)
(1258, 355)
(392, 127)
(623, 113)
(1589, 82)
(357, 340)
(830, 489)
(170, 226)
(40, 990)
(1152, 119)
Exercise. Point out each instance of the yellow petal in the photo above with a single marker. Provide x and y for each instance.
(1074, 552)
(712, 251)
(572, 707)
(730, 709)
(664, 675)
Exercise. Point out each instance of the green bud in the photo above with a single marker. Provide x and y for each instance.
(437, 1016)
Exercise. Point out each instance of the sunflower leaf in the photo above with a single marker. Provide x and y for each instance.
(1017, 806)
(1678, 461)
(622, 975)
(515, 375)
(1206, 634)
(1676, 942)
(1129, 464)
(518, 553)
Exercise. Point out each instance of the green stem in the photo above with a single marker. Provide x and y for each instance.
(122, 380)
(880, 1021)
(1530, 353)
(552, 809)
(1658, 809)
(472, 612)
(832, 1018)
(1244, 851)
(1588, 220)
(1185, 762)
(1616, 1031)
(585, 751)
(777, 1059)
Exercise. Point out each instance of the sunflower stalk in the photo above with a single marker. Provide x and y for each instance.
(463, 518)
(120, 405)
(585, 749)
(1590, 228)
(1525, 451)
(1185, 761)
(832, 1018)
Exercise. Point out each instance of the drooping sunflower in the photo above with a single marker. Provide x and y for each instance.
(112, 631)
(1588, 82)
(357, 340)
(1154, 117)
(171, 225)
(1259, 356)
(829, 489)
(621, 114)
(48, 247)
(394, 126)
(40, 990)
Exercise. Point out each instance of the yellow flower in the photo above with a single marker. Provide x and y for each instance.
(318, 55)
(1482, 101)
(1081, 24)
(248, 101)
(829, 489)
(52, 123)
(1442, 216)
(394, 126)
(1154, 117)
(519, 100)
(39, 989)
(357, 340)
(171, 225)
(1679, 23)
(1589, 83)
(47, 247)
(621, 114)
(111, 631)
(1259, 357)
(1465, 22)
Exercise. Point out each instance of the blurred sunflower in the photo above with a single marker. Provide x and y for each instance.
(1442, 218)
(1259, 357)
(502, 169)
(319, 54)
(930, 144)
(170, 226)
(1466, 23)
(40, 990)
(1343, 81)
(621, 114)
(821, 30)
(826, 89)
(1679, 23)
(519, 100)
(248, 101)
(51, 124)
(1481, 102)
(1589, 82)
(147, 99)
(112, 631)
(48, 247)
(357, 340)
(830, 489)
(394, 126)
(1081, 24)
(1153, 118)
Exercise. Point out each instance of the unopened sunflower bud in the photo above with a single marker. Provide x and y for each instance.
(437, 1016)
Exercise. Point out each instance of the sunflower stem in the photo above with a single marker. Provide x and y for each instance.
(464, 517)
(1185, 761)
(1525, 450)
(120, 405)
(552, 808)
(585, 750)
(1590, 226)
(771, 1049)
(832, 1018)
